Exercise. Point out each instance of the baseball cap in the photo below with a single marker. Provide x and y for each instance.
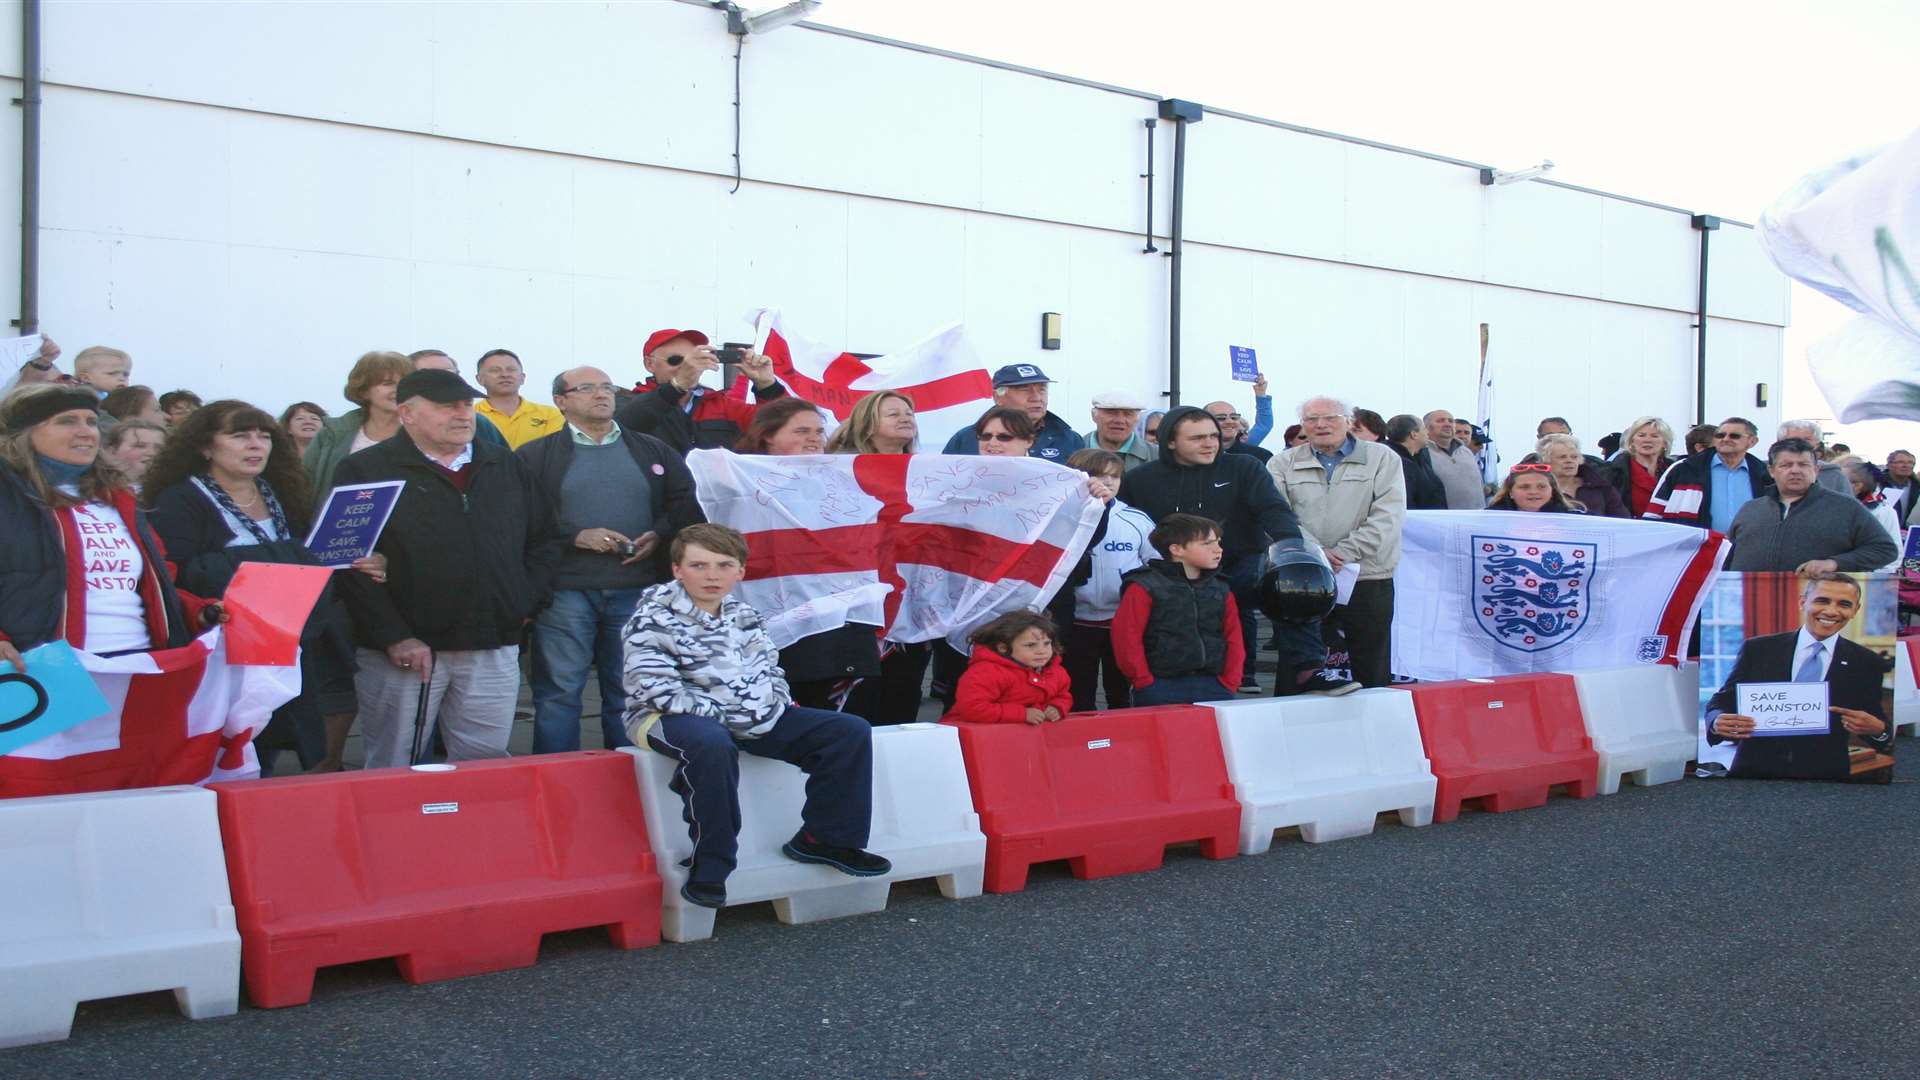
(1019, 375)
(1117, 399)
(661, 337)
(434, 384)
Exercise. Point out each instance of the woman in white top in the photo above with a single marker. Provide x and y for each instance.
(229, 489)
(78, 561)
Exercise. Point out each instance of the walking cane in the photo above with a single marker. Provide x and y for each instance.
(420, 725)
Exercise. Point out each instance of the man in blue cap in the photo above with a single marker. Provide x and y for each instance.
(1024, 387)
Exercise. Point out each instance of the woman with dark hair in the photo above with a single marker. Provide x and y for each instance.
(177, 405)
(227, 489)
(1531, 488)
(824, 669)
(302, 421)
(55, 487)
(133, 403)
(1004, 432)
(1295, 436)
(1369, 425)
(787, 425)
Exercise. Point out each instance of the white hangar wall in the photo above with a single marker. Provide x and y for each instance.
(247, 196)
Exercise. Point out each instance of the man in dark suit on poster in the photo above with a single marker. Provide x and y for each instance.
(1814, 653)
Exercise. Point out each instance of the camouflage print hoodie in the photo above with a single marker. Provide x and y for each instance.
(679, 659)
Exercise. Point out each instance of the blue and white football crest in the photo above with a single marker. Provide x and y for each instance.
(1531, 595)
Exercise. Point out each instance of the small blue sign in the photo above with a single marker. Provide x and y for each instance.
(1246, 368)
(349, 522)
(54, 693)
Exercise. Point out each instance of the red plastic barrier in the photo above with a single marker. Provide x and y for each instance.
(454, 873)
(1509, 741)
(1107, 791)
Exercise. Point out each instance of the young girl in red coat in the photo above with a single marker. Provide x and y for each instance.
(1015, 675)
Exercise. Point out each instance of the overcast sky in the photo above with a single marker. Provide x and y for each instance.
(1711, 105)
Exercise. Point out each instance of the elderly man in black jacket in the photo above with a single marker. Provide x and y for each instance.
(464, 555)
(1408, 437)
(1193, 476)
(612, 500)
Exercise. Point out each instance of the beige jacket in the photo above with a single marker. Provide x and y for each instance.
(1359, 514)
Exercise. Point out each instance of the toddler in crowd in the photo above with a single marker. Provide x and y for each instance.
(1177, 633)
(1015, 674)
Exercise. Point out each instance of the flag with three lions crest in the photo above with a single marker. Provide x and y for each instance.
(1488, 592)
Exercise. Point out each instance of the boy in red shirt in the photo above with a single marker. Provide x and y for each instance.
(1177, 633)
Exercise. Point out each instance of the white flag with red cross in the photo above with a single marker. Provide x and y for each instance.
(924, 545)
(941, 374)
(174, 716)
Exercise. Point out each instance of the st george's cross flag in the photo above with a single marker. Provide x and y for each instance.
(1489, 592)
(925, 545)
(173, 716)
(941, 374)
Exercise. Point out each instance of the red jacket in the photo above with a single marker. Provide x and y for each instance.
(995, 690)
(173, 615)
(716, 422)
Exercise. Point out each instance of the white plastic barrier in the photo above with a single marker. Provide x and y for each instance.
(1644, 721)
(1906, 694)
(923, 821)
(1328, 765)
(107, 894)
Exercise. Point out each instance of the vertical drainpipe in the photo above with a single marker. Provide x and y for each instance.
(1181, 113)
(1705, 224)
(29, 102)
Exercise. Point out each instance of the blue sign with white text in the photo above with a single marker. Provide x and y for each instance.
(1246, 368)
(349, 522)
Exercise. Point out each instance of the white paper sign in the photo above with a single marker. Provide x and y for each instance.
(1785, 708)
(17, 351)
(1344, 579)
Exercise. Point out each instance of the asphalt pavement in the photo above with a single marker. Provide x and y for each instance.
(1704, 928)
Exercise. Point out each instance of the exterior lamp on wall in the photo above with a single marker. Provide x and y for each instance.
(1490, 177)
(1049, 329)
(765, 22)
(1760, 395)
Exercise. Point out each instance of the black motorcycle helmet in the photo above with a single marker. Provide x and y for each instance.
(1298, 584)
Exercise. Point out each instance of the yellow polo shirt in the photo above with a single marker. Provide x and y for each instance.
(529, 422)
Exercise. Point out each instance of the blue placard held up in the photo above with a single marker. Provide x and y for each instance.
(350, 520)
(54, 693)
(1246, 368)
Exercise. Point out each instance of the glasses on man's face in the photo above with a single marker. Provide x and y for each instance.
(1000, 436)
(1729, 435)
(1325, 418)
(1224, 417)
(591, 388)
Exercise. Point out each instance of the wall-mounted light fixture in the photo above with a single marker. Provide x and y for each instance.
(1049, 329)
(765, 22)
(1490, 177)
(1760, 395)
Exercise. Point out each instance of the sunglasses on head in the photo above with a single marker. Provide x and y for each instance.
(1532, 466)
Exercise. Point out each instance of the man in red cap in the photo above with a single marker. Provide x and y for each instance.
(673, 407)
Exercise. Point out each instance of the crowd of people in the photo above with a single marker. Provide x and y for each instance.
(571, 533)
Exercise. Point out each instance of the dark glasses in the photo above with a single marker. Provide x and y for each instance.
(1000, 436)
(1532, 466)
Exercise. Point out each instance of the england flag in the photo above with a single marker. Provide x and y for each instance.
(924, 545)
(1488, 592)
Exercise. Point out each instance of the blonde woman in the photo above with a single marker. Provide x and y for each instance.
(881, 423)
(370, 387)
(1645, 452)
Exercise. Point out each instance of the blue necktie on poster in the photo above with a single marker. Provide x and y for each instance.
(1810, 667)
(54, 693)
(1246, 367)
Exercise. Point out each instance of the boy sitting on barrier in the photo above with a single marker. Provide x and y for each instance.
(1177, 633)
(704, 683)
(1015, 674)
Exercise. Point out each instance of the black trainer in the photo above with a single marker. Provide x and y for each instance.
(847, 860)
(711, 894)
(1328, 685)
